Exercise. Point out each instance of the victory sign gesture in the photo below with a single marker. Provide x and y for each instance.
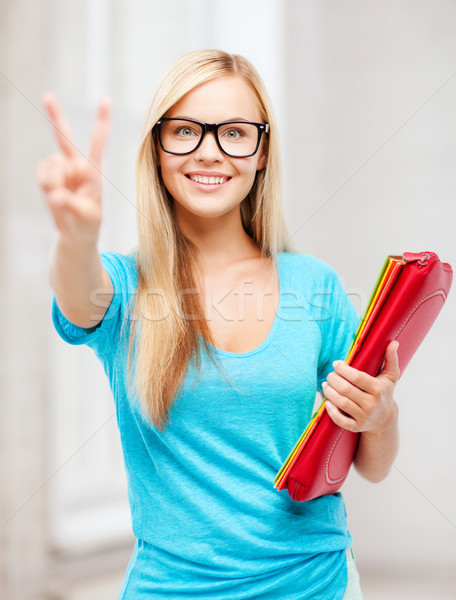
(72, 183)
(72, 186)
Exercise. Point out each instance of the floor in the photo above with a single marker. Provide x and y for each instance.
(99, 589)
(417, 587)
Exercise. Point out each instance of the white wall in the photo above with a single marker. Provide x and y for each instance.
(370, 170)
(365, 96)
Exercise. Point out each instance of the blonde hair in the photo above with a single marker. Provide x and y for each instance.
(163, 339)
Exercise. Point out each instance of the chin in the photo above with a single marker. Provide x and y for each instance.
(210, 210)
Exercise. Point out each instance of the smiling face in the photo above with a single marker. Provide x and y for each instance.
(207, 183)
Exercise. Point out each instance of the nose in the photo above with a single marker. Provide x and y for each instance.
(208, 150)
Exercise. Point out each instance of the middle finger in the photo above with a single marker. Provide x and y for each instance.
(346, 388)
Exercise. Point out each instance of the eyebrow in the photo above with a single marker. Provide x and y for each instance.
(224, 121)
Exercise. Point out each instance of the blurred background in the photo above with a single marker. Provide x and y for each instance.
(365, 96)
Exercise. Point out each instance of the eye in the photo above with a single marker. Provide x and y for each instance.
(233, 133)
(185, 131)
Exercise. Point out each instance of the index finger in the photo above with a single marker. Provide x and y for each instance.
(61, 129)
(360, 379)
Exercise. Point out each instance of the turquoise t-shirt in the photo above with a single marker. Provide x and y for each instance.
(208, 520)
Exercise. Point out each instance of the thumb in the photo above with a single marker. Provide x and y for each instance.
(391, 365)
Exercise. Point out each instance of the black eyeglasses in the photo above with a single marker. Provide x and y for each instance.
(238, 139)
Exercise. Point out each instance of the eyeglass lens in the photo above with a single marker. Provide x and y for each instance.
(236, 139)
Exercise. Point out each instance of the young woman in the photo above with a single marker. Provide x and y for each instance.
(215, 340)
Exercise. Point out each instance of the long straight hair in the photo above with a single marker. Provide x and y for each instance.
(168, 328)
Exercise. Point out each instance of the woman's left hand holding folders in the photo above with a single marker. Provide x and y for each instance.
(359, 402)
(364, 404)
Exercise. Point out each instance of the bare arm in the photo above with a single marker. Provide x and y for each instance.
(82, 287)
(369, 407)
(377, 451)
(71, 185)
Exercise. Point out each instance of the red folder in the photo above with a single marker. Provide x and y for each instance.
(409, 294)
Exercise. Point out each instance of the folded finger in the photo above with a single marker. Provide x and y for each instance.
(49, 177)
(66, 209)
(346, 388)
(54, 172)
(346, 405)
(361, 380)
(341, 419)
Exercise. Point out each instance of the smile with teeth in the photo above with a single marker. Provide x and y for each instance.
(208, 180)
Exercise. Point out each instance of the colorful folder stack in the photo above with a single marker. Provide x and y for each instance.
(408, 295)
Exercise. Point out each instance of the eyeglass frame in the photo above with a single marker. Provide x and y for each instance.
(211, 128)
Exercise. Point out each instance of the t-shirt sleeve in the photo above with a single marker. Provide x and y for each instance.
(103, 338)
(338, 322)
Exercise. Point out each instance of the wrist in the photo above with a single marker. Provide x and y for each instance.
(73, 260)
(77, 243)
(390, 423)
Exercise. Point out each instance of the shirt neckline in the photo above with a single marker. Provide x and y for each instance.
(274, 325)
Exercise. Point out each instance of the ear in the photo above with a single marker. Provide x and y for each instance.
(263, 156)
(262, 161)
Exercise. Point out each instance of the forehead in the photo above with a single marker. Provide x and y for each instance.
(218, 100)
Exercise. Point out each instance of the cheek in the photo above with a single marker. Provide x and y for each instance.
(252, 170)
(169, 168)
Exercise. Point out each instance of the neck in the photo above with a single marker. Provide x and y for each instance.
(220, 240)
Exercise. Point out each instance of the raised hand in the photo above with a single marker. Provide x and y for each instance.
(71, 182)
